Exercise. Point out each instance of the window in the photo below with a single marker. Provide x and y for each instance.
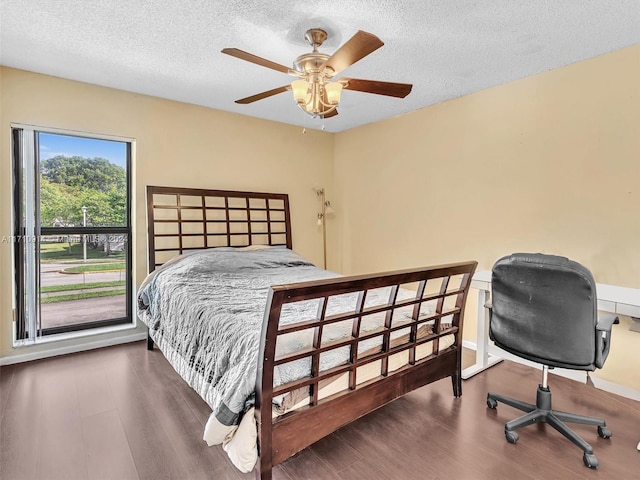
(72, 226)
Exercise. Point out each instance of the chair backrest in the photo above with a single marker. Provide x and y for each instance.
(544, 309)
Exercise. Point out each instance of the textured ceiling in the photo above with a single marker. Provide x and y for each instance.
(171, 48)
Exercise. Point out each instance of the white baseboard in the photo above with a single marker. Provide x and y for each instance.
(577, 375)
(53, 352)
(611, 387)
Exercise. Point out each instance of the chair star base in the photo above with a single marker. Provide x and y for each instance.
(542, 412)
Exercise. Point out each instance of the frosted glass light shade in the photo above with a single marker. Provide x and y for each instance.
(334, 92)
(300, 88)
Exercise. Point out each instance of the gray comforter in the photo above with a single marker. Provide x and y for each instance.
(205, 312)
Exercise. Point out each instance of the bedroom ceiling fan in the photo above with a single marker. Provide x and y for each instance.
(315, 91)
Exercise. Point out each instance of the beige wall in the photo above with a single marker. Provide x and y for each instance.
(550, 163)
(176, 144)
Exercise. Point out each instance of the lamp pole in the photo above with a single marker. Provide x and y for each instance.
(84, 235)
(322, 222)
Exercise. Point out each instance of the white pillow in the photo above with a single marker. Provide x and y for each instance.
(216, 433)
(242, 447)
(252, 247)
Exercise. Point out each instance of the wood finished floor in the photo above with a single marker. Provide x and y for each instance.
(123, 413)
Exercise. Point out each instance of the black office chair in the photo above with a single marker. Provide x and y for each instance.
(544, 309)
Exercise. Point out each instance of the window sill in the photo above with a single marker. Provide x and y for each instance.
(59, 337)
(50, 349)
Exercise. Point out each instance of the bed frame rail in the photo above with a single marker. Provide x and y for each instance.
(437, 310)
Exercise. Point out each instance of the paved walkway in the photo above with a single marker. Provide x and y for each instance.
(82, 311)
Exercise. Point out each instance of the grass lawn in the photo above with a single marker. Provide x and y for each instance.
(59, 252)
(82, 296)
(81, 286)
(100, 267)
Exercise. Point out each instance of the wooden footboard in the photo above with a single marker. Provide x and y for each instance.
(437, 308)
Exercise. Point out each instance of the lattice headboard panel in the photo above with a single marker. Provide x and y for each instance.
(183, 219)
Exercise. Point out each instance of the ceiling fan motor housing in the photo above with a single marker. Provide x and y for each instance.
(310, 63)
(315, 37)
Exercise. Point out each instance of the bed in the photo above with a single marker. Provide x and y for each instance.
(283, 352)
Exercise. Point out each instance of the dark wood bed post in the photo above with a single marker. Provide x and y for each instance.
(151, 265)
(456, 378)
(264, 387)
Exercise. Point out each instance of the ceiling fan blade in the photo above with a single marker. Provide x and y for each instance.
(249, 57)
(391, 89)
(332, 113)
(260, 96)
(357, 47)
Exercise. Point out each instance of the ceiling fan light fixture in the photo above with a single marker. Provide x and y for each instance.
(313, 90)
(313, 96)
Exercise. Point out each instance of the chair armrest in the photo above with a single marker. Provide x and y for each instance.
(603, 336)
(606, 321)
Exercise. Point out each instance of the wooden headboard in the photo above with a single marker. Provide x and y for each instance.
(183, 219)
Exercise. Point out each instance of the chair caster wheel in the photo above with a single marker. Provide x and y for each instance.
(590, 460)
(604, 432)
(491, 403)
(512, 437)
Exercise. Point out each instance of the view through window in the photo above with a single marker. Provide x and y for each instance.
(73, 260)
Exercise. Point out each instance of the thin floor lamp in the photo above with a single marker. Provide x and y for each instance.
(325, 207)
